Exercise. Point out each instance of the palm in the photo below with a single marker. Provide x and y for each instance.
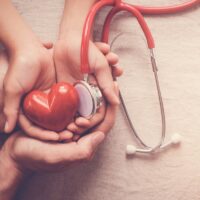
(67, 59)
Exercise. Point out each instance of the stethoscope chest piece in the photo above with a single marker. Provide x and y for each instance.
(90, 98)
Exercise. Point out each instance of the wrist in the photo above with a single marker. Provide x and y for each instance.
(10, 176)
(74, 16)
(15, 32)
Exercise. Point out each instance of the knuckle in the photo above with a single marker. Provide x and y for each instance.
(100, 65)
(12, 87)
(8, 111)
(9, 89)
(26, 61)
(29, 60)
(49, 159)
(87, 154)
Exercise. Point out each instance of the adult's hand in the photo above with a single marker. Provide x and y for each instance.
(22, 155)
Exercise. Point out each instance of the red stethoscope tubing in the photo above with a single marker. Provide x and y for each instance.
(118, 6)
(167, 9)
(137, 14)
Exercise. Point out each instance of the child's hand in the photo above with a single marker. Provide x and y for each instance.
(67, 60)
(68, 69)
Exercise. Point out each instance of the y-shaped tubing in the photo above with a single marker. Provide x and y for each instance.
(150, 42)
(134, 12)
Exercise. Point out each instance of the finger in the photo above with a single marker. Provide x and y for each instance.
(77, 129)
(109, 118)
(89, 144)
(36, 132)
(12, 96)
(82, 122)
(76, 137)
(47, 44)
(103, 47)
(105, 80)
(108, 121)
(73, 127)
(112, 58)
(65, 136)
(59, 155)
(76, 151)
(116, 71)
(82, 125)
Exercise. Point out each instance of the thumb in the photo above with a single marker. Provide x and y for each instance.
(12, 96)
(89, 144)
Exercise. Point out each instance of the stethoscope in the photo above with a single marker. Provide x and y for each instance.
(90, 95)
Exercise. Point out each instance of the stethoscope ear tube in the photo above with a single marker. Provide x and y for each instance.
(136, 11)
(105, 36)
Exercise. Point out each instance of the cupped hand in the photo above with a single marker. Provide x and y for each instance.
(67, 60)
(30, 67)
(27, 153)
(31, 154)
(102, 62)
(15, 90)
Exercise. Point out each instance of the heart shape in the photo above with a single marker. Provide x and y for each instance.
(53, 110)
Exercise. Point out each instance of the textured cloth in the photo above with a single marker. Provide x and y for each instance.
(173, 174)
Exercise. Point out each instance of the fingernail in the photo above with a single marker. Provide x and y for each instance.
(98, 139)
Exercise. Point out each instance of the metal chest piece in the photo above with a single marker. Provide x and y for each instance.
(90, 98)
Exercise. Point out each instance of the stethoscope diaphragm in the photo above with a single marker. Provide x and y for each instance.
(90, 98)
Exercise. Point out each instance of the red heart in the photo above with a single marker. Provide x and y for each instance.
(52, 111)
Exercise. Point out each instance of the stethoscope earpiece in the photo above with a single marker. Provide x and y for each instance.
(176, 139)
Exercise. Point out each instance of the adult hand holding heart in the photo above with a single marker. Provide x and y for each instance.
(54, 110)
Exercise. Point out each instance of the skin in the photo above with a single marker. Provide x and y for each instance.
(67, 57)
(21, 153)
(39, 60)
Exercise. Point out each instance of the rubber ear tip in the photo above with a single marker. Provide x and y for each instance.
(130, 149)
(176, 139)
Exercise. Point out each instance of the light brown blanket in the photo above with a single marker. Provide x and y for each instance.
(171, 175)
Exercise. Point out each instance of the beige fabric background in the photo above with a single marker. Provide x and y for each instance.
(173, 174)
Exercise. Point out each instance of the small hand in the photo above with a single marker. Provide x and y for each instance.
(68, 68)
(67, 60)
